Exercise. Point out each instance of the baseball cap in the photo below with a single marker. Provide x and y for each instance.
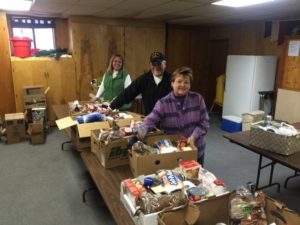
(157, 58)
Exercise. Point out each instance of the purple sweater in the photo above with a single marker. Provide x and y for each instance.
(192, 119)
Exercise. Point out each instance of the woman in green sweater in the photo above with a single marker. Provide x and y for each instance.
(114, 81)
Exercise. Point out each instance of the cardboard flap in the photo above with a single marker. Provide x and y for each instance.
(65, 123)
(84, 130)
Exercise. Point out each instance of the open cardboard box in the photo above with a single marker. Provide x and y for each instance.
(80, 133)
(148, 164)
(212, 211)
(110, 154)
(216, 210)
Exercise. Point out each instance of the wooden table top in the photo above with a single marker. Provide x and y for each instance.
(243, 139)
(108, 182)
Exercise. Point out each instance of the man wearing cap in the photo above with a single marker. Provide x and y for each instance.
(152, 85)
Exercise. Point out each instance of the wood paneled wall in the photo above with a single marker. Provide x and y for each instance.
(188, 46)
(95, 40)
(7, 100)
(192, 46)
(61, 33)
(245, 39)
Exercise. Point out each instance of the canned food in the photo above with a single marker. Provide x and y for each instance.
(196, 194)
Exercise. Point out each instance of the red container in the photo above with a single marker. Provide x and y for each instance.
(22, 47)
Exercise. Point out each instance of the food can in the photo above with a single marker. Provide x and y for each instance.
(196, 194)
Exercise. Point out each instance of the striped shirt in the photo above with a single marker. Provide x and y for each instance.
(192, 119)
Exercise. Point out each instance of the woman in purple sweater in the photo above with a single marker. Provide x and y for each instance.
(182, 112)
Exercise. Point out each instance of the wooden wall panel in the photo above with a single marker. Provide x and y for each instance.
(61, 33)
(140, 42)
(26, 73)
(289, 68)
(61, 79)
(7, 102)
(93, 45)
(58, 75)
(178, 47)
(245, 39)
(199, 62)
(188, 46)
(95, 40)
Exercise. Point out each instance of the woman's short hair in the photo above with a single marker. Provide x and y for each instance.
(184, 71)
(110, 65)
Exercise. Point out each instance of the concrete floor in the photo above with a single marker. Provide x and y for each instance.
(43, 185)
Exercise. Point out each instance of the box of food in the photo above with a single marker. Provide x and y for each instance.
(81, 133)
(109, 153)
(150, 163)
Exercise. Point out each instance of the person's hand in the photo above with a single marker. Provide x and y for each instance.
(191, 142)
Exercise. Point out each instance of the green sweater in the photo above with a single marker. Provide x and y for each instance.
(115, 86)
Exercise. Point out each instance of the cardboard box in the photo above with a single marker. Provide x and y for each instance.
(15, 127)
(36, 133)
(34, 96)
(110, 154)
(216, 210)
(71, 108)
(81, 133)
(252, 117)
(212, 211)
(148, 164)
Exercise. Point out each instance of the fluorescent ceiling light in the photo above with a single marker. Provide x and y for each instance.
(16, 5)
(240, 3)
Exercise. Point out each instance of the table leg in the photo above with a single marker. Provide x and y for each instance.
(290, 177)
(260, 167)
(66, 142)
(86, 191)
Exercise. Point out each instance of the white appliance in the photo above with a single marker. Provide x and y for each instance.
(245, 77)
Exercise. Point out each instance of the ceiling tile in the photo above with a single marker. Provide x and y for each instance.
(116, 13)
(139, 5)
(100, 3)
(82, 10)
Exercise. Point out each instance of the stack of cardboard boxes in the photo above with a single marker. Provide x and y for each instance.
(15, 127)
(35, 106)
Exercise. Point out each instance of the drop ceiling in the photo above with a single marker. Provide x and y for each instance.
(184, 12)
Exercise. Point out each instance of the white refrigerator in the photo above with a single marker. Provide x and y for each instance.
(245, 76)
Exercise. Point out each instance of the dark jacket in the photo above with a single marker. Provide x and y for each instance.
(146, 86)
